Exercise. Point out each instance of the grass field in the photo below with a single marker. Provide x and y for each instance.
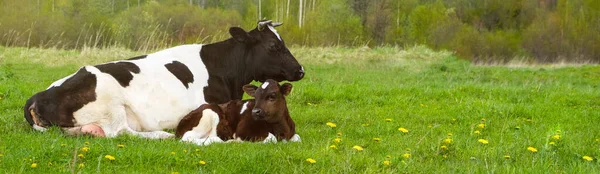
(459, 118)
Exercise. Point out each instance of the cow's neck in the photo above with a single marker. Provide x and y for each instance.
(227, 69)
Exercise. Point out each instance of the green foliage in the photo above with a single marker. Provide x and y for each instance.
(332, 23)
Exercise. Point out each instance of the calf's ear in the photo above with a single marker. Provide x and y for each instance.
(250, 89)
(240, 35)
(286, 89)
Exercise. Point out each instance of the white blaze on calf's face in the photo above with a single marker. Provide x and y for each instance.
(264, 85)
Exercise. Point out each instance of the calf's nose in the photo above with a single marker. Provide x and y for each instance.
(257, 111)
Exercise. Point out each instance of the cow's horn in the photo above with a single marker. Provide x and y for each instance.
(276, 24)
(263, 24)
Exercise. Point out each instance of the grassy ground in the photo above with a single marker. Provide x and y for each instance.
(460, 118)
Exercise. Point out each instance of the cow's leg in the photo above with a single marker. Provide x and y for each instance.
(151, 135)
(206, 131)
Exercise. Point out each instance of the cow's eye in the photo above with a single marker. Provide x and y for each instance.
(272, 97)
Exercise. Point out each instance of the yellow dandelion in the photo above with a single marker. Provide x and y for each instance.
(331, 125)
(387, 162)
(449, 134)
(482, 119)
(588, 158)
(120, 146)
(445, 156)
(365, 124)
(339, 134)
(81, 165)
(33, 165)
(483, 141)
(358, 148)
(481, 125)
(87, 143)
(50, 164)
(477, 132)
(184, 150)
(532, 149)
(558, 131)
(429, 126)
(506, 156)
(197, 150)
(448, 140)
(63, 145)
(310, 160)
(421, 105)
(377, 139)
(552, 143)
(110, 157)
(337, 140)
(407, 149)
(172, 153)
(454, 119)
(333, 146)
(174, 172)
(444, 147)
(202, 162)
(388, 120)
(403, 130)
(85, 149)
(388, 156)
(1, 155)
(556, 137)
(81, 156)
(406, 155)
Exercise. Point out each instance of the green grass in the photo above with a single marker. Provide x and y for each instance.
(432, 94)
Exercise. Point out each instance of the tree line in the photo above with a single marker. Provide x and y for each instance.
(540, 31)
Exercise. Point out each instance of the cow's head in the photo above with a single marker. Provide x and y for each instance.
(268, 54)
(41, 110)
(269, 100)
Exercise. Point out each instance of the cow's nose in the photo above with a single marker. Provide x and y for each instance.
(257, 112)
(300, 73)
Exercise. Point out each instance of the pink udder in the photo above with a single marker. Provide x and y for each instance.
(93, 130)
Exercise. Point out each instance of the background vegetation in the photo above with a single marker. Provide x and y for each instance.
(459, 118)
(485, 31)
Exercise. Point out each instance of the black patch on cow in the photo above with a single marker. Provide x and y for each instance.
(138, 57)
(56, 105)
(181, 72)
(121, 71)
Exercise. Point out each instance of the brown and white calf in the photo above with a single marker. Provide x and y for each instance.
(264, 118)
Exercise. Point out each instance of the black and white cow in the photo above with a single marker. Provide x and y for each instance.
(146, 94)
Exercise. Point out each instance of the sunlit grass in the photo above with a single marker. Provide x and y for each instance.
(383, 110)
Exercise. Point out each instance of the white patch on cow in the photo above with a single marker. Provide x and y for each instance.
(302, 68)
(270, 139)
(295, 138)
(275, 32)
(60, 82)
(244, 107)
(205, 132)
(39, 128)
(264, 85)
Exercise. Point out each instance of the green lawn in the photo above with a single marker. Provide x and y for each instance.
(446, 104)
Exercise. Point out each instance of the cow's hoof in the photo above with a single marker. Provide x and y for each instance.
(270, 139)
(295, 138)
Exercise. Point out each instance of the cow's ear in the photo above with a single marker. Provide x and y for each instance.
(286, 89)
(250, 89)
(240, 35)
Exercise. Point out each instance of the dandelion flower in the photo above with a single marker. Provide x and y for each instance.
(406, 155)
(588, 158)
(477, 132)
(310, 160)
(422, 105)
(387, 162)
(33, 165)
(63, 145)
(552, 143)
(444, 147)
(448, 140)
(556, 137)
(202, 162)
(482, 119)
(120, 146)
(81, 156)
(110, 157)
(481, 125)
(365, 124)
(403, 130)
(388, 156)
(339, 134)
(449, 134)
(483, 141)
(50, 164)
(358, 148)
(445, 156)
(172, 153)
(81, 165)
(333, 146)
(85, 149)
(87, 143)
(388, 120)
(331, 125)
(337, 140)
(1, 155)
(377, 139)
(532, 149)
(506, 156)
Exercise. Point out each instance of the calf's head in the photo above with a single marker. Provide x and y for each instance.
(268, 51)
(269, 100)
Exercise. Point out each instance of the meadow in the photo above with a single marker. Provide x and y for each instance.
(358, 110)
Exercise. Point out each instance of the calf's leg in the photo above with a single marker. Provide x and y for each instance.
(206, 131)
